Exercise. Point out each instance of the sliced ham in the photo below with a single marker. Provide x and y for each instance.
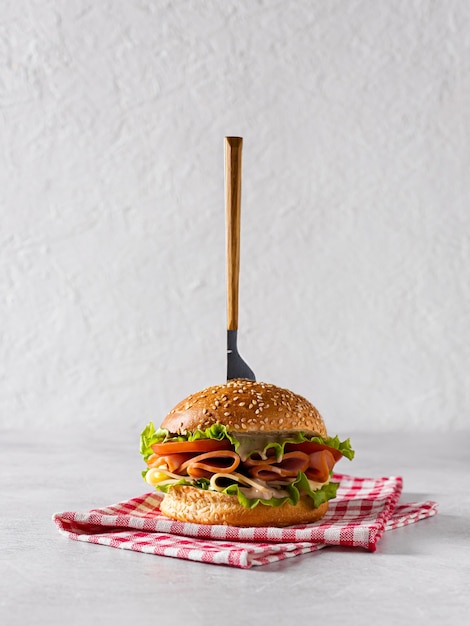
(320, 465)
(313, 446)
(314, 459)
(208, 463)
(271, 469)
(171, 462)
(316, 465)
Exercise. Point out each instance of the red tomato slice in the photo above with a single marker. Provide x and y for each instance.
(200, 445)
(312, 446)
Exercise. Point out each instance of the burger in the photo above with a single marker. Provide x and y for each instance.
(243, 453)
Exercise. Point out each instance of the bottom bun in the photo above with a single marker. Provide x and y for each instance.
(191, 504)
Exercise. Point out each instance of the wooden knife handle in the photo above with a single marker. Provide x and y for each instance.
(233, 185)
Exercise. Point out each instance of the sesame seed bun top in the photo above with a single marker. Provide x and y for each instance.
(245, 406)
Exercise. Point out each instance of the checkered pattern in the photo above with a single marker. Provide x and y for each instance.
(362, 510)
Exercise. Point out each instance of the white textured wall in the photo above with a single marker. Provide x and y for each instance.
(355, 211)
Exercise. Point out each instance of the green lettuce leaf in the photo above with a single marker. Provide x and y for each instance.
(150, 436)
(319, 496)
(299, 437)
(343, 446)
(299, 487)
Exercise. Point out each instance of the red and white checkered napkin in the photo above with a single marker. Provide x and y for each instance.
(361, 511)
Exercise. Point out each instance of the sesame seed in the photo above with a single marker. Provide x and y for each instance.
(227, 413)
(241, 404)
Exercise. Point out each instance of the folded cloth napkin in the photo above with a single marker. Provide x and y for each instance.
(357, 517)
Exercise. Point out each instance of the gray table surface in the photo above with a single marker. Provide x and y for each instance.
(420, 574)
